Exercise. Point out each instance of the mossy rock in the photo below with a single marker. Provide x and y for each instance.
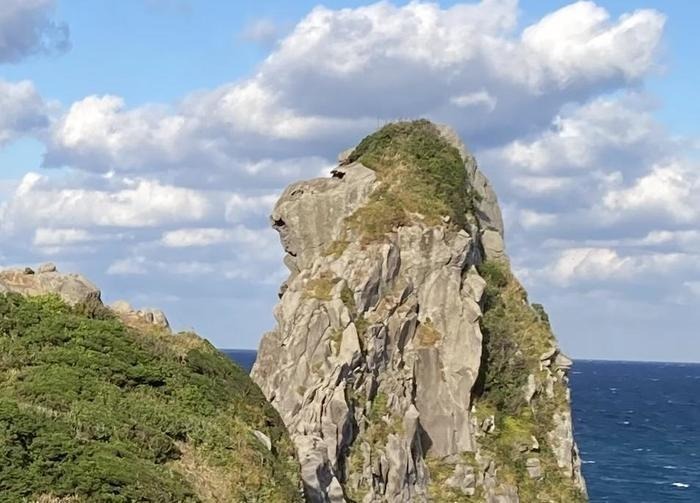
(422, 178)
(94, 411)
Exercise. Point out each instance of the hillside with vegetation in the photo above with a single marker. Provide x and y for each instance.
(95, 410)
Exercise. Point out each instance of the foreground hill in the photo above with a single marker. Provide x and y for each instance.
(106, 405)
(407, 362)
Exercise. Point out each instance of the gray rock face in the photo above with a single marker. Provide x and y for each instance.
(378, 345)
(488, 212)
(72, 288)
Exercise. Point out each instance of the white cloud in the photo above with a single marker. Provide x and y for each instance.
(603, 264)
(530, 219)
(61, 237)
(225, 269)
(479, 98)
(201, 237)
(366, 54)
(239, 207)
(579, 42)
(128, 266)
(22, 110)
(686, 238)
(26, 28)
(598, 134)
(137, 203)
(671, 189)
(101, 130)
(541, 185)
(476, 72)
(184, 238)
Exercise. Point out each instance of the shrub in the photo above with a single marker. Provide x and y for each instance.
(95, 411)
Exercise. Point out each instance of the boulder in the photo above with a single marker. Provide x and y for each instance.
(72, 288)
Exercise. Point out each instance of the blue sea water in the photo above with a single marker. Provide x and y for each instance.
(637, 426)
(243, 357)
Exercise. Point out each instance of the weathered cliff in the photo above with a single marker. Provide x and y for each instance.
(407, 362)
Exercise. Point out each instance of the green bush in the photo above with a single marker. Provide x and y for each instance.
(93, 409)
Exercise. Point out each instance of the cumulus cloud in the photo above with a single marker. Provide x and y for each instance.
(579, 42)
(603, 264)
(138, 203)
(22, 110)
(240, 207)
(609, 133)
(340, 73)
(600, 164)
(60, 237)
(26, 27)
(199, 237)
(368, 53)
(530, 219)
(202, 144)
(598, 196)
(671, 189)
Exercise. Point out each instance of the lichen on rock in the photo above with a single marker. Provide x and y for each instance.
(406, 361)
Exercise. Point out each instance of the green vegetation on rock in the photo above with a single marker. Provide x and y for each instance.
(421, 175)
(516, 335)
(99, 412)
(440, 471)
(320, 288)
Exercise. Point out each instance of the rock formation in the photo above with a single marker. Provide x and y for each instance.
(407, 362)
(72, 288)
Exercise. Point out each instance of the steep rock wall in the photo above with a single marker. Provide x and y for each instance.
(384, 364)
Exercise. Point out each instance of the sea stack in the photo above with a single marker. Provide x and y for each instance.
(407, 361)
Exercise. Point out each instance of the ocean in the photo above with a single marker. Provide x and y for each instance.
(637, 426)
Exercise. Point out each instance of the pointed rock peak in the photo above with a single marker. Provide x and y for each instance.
(406, 359)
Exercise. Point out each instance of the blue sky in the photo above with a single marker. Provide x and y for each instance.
(143, 143)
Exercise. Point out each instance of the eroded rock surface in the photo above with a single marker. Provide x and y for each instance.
(377, 362)
(72, 288)
(140, 317)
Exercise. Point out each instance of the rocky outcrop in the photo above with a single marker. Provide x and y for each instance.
(140, 317)
(72, 288)
(381, 364)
